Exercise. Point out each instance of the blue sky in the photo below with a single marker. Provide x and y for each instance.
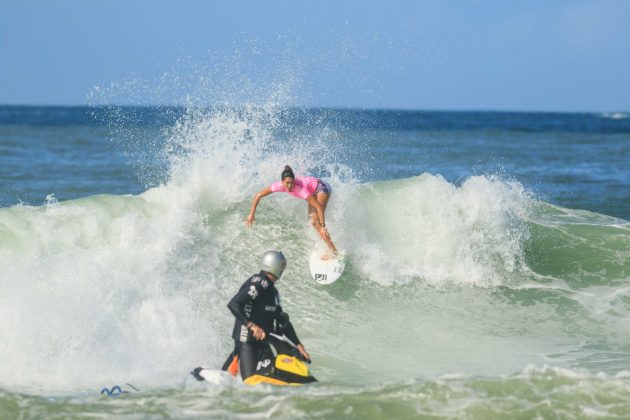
(439, 54)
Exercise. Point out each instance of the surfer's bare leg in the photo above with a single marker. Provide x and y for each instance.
(322, 199)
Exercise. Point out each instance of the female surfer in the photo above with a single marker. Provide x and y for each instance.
(316, 193)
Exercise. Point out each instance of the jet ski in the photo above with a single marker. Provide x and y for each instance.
(288, 367)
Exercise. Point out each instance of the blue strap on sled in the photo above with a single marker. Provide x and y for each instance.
(117, 390)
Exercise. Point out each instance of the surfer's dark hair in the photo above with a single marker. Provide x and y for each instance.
(287, 173)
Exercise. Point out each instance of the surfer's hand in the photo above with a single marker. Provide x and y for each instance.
(250, 220)
(303, 352)
(257, 332)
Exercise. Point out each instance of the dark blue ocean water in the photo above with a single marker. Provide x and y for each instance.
(573, 160)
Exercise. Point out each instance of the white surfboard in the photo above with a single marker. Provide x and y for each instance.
(326, 271)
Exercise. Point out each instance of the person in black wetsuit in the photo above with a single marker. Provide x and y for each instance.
(258, 312)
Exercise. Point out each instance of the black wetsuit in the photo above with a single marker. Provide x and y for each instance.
(257, 301)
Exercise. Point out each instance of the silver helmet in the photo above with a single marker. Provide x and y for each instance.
(274, 262)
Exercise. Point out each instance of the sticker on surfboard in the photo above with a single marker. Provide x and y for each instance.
(327, 270)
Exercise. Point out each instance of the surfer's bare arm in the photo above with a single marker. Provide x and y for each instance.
(251, 219)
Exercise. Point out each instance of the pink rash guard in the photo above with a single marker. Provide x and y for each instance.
(303, 187)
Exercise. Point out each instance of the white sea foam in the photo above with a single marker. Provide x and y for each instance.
(134, 288)
(111, 288)
(429, 229)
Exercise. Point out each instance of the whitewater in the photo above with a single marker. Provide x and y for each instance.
(468, 292)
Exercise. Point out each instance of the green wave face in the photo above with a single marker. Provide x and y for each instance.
(473, 279)
(579, 247)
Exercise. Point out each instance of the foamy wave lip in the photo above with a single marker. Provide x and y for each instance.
(532, 371)
(624, 374)
(125, 280)
(535, 371)
(427, 228)
(82, 278)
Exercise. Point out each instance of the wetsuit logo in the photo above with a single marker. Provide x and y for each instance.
(263, 364)
(243, 335)
(253, 292)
